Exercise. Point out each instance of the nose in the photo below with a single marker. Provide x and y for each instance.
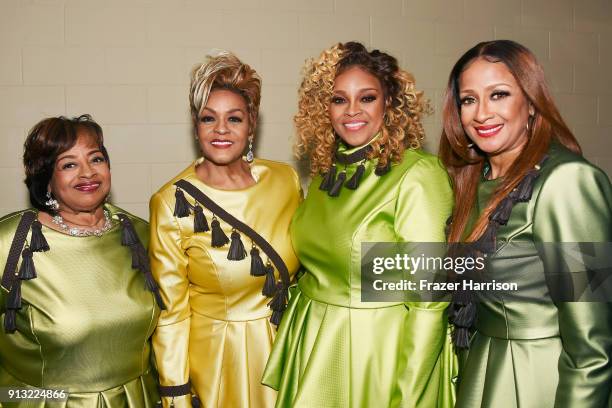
(353, 109)
(87, 170)
(483, 112)
(221, 128)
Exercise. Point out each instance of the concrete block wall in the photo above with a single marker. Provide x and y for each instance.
(127, 63)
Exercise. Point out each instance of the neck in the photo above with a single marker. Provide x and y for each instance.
(91, 219)
(501, 163)
(232, 176)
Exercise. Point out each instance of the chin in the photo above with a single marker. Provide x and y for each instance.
(356, 139)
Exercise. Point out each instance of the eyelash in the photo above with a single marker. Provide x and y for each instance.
(496, 95)
(95, 160)
(209, 119)
(336, 100)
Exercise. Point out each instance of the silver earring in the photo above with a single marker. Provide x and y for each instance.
(249, 155)
(470, 145)
(51, 202)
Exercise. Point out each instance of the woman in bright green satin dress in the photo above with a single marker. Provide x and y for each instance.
(76, 312)
(359, 121)
(521, 184)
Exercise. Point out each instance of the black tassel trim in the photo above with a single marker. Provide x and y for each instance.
(487, 242)
(461, 337)
(13, 301)
(465, 316)
(218, 237)
(501, 214)
(257, 266)
(128, 235)
(335, 190)
(269, 286)
(27, 270)
(236, 250)
(199, 220)
(278, 304)
(181, 206)
(524, 190)
(10, 323)
(38, 243)
(329, 179)
(355, 179)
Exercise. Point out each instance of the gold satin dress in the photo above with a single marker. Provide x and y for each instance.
(85, 322)
(216, 332)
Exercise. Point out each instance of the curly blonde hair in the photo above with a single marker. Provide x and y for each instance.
(405, 106)
(225, 71)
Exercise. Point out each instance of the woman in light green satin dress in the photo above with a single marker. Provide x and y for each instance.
(359, 121)
(76, 312)
(505, 142)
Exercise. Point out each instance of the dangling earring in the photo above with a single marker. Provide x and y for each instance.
(470, 145)
(51, 202)
(249, 155)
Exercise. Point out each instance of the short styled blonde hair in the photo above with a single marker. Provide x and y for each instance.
(225, 71)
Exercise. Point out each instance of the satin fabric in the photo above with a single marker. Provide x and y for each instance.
(85, 323)
(216, 331)
(533, 353)
(332, 349)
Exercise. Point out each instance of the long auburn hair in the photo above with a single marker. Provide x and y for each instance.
(465, 164)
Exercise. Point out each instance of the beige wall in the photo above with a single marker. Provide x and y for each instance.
(127, 63)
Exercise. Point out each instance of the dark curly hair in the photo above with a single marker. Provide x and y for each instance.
(45, 142)
(405, 106)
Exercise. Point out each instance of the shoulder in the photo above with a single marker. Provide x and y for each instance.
(168, 187)
(417, 163)
(135, 220)
(8, 223)
(278, 169)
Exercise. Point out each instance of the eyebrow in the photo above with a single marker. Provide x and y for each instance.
(488, 87)
(72, 156)
(229, 111)
(360, 90)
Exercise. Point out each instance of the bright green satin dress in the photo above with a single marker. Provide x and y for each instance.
(85, 324)
(535, 354)
(335, 351)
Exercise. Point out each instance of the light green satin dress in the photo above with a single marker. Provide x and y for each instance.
(335, 351)
(535, 354)
(85, 323)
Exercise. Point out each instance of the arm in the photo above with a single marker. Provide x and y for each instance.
(169, 267)
(575, 205)
(424, 203)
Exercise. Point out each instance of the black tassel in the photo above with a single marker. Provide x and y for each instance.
(38, 243)
(27, 270)
(128, 234)
(277, 317)
(10, 324)
(525, 187)
(13, 301)
(195, 402)
(461, 337)
(218, 237)
(269, 286)
(335, 190)
(257, 266)
(279, 301)
(355, 179)
(199, 220)
(329, 179)
(236, 250)
(181, 206)
(501, 214)
(465, 316)
(487, 243)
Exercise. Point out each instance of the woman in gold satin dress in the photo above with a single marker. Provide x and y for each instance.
(522, 185)
(74, 302)
(359, 120)
(216, 334)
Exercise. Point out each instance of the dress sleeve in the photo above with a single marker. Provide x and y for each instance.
(575, 205)
(171, 337)
(424, 203)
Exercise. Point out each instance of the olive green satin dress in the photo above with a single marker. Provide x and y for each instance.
(535, 354)
(85, 323)
(335, 351)
(216, 332)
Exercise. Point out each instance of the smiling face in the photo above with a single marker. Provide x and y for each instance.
(357, 106)
(494, 109)
(81, 177)
(223, 127)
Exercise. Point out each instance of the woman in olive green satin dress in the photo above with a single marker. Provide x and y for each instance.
(359, 121)
(76, 312)
(519, 176)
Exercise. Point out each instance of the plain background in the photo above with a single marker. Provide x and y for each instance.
(127, 62)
